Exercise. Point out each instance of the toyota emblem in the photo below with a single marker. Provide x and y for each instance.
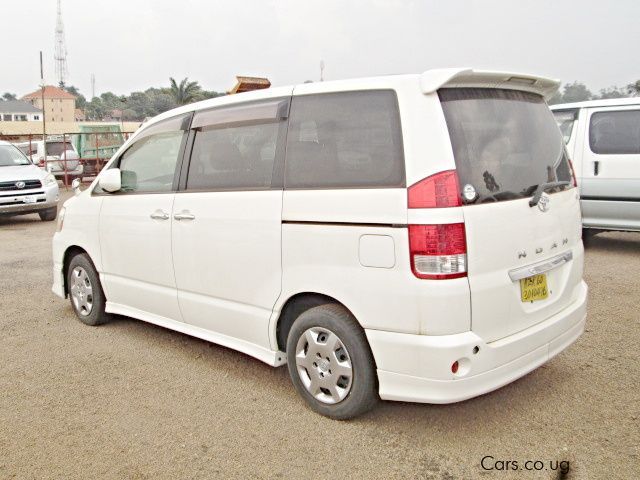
(544, 202)
(20, 185)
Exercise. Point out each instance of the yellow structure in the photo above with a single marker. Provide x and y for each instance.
(246, 84)
(59, 105)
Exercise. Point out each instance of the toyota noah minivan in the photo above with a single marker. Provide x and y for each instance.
(411, 237)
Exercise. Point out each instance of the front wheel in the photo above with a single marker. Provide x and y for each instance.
(85, 291)
(48, 215)
(330, 363)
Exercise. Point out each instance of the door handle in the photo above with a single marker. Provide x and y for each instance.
(596, 165)
(184, 215)
(159, 215)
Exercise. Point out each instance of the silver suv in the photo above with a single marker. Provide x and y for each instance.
(25, 188)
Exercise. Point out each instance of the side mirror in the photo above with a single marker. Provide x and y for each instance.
(110, 180)
(75, 186)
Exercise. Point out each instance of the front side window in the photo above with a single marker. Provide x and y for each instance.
(233, 157)
(149, 165)
(615, 133)
(345, 140)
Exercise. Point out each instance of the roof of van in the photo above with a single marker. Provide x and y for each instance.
(609, 102)
(429, 82)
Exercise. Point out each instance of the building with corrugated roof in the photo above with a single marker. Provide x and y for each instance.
(59, 105)
(19, 111)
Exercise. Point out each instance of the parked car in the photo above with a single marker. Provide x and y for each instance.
(25, 188)
(59, 152)
(411, 238)
(603, 140)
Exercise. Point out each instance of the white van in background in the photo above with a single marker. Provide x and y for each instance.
(603, 140)
(411, 237)
(59, 153)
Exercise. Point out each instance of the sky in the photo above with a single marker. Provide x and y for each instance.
(130, 45)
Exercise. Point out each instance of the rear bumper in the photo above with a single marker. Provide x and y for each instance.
(417, 368)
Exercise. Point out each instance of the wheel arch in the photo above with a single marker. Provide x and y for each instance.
(69, 253)
(294, 306)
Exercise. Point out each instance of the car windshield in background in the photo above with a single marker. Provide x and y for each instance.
(505, 142)
(10, 156)
(566, 119)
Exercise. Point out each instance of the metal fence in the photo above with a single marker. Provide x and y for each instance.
(65, 153)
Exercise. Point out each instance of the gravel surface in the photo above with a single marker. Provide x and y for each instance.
(131, 400)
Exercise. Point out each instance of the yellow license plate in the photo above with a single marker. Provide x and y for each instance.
(534, 288)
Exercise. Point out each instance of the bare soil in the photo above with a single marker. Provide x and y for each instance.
(131, 400)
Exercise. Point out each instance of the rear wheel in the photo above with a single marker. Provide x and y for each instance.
(85, 291)
(330, 362)
(49, 214)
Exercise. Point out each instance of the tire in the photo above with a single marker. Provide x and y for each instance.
(48, 215)
(88, 303)
(587, 236)
(315, 367)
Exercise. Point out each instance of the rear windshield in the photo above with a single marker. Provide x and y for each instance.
(505, 142)
(58, 148)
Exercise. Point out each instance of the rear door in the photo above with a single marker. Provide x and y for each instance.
(227, 221)
(505, 144)
(611, 168)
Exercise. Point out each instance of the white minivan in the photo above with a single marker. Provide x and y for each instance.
(603, 141)
(411, 237)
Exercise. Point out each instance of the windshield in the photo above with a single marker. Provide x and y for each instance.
(10, 156)
(566, 119)
(505, 143)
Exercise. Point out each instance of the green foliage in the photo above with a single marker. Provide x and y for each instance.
(578, 92)
(81, 101)
(9, 96)
(139, 105)
(184, 92)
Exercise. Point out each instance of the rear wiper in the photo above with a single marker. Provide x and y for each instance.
(543, 187)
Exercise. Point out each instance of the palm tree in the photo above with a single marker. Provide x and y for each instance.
(185, 92)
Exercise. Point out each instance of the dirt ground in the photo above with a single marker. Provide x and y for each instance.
(131, 400)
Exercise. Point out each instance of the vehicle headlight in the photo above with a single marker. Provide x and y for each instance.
(60, 219)
(49, 179)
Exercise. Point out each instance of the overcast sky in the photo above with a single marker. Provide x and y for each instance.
(134, 44)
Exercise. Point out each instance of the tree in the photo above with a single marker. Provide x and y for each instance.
(185, 92)
(81, 101)
(9, 96)
(576, 92)
(634, 88)
(611, 92)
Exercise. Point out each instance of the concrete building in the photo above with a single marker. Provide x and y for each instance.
(19, 111)
(59, 105)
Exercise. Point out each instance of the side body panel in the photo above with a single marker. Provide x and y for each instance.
(610, 182)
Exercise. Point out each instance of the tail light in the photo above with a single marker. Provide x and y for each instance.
(437, 191)
(438, 252)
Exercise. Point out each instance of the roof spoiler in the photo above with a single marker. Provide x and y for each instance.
(432, 80)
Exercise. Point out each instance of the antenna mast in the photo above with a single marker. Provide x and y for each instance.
(60, 54)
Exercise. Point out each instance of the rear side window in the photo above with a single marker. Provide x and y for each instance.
(344, 140)
(615, 132)
(505, 142)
